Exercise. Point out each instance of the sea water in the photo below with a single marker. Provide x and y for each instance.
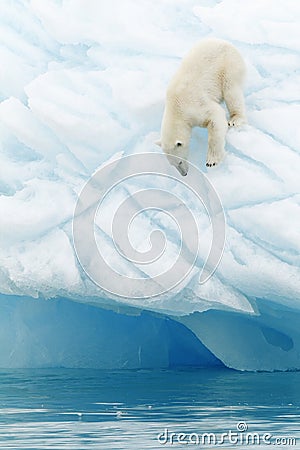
(148, 409)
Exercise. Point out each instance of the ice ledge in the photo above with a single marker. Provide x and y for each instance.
(268, 341)
(37, 333)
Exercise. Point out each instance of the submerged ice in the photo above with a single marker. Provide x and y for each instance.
(72, 97)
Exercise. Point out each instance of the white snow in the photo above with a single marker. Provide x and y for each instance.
(83, 81)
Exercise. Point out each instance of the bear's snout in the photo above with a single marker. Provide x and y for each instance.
(182, 168)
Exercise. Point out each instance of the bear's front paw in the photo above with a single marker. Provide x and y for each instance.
(214, 158)
(236, 121)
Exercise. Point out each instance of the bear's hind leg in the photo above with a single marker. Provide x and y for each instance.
(234, 100)
(217, 127)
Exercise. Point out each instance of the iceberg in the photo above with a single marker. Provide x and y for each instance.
(74, 99)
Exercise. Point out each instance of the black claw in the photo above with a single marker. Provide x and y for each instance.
(214, 164)
(206, 164)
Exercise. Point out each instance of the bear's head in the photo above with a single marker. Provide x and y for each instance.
(177, 154)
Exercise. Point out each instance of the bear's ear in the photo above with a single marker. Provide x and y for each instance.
(158, 143)
(178, 143)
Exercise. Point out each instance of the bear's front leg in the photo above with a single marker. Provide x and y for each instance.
(217, 127)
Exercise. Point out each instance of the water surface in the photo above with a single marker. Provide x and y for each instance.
(82, 409)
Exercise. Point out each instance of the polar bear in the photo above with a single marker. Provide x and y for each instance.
(211, 72)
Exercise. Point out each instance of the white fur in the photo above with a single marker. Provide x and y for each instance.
(211, 72)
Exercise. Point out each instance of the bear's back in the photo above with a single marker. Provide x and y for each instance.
(205, 68)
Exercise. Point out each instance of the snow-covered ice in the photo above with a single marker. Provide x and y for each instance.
(84, 81)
